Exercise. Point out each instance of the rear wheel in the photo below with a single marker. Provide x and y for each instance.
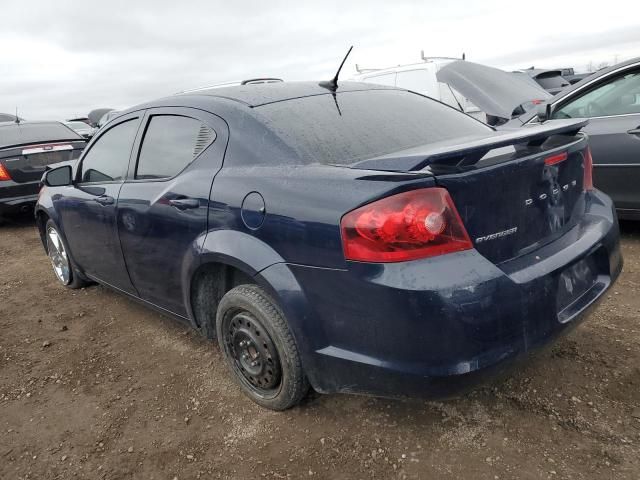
(259, 348)
(62, 264)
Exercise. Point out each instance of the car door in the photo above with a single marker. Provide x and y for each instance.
(162, 208)
(88, 208)
(613, 106)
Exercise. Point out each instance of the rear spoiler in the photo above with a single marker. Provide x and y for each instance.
(466, 151)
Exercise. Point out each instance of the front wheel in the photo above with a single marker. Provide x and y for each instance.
(60, 261)
(259, 348)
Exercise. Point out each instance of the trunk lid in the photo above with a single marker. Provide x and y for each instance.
(514, 191)
(515, 207)
(27, 148)
(495, 92)
(27, 164)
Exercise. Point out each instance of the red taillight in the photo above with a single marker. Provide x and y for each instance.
(587, 183)
(554, 159)
(416, 224)
(4, 174)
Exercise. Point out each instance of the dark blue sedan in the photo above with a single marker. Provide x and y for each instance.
(361, 239)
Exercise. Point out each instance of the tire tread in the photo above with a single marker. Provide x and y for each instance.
(298, 387)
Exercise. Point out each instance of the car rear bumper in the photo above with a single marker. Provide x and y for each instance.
(435, 326)
(628, 214)
(16, 197)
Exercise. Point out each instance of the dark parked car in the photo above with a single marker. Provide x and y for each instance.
(107, 117)
(26, 149)
(80, 119)
(358, 239)
(95, 115)
(7, 117)
(551, 80)
(83, 129)
(610, 99)
(571, 76)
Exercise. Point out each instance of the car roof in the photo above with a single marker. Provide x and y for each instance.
(264, 93)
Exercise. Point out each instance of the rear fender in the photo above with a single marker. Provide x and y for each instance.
(229, 247)
(269, 270)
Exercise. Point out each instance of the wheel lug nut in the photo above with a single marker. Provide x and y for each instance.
(254, 364)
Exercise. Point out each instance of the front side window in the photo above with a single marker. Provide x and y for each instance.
(170, 143)
(618, 96)
(108, 159)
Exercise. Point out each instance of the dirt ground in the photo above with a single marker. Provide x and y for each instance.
(93, 385)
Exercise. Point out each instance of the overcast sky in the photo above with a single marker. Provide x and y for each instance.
(60, 58)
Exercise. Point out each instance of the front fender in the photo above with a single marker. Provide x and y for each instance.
(44, 206)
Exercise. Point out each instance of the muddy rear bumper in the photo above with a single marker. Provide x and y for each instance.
(434, 327)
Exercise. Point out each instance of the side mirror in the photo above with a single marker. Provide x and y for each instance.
(58, 177)
(544, 112)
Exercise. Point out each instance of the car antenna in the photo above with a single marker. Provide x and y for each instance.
(333, 83)
(17, 120)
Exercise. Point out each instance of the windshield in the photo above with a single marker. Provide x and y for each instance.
(348, 127)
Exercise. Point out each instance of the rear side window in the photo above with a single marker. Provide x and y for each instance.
(108, 159)
(170, 143)
(348, 127)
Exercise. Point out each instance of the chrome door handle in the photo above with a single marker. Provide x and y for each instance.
(184, 203)
(105, 200)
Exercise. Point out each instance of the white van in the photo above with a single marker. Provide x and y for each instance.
(491, 95)
(421, 78)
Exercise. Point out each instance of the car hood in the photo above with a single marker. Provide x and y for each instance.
(494, 91)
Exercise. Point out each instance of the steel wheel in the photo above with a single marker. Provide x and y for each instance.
(58, 256)
(254, 354)
(259, 348)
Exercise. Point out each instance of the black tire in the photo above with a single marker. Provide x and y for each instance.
(247, 314)
(76, 280)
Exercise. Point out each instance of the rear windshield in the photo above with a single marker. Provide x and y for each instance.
(353, 126)
(30, 133)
